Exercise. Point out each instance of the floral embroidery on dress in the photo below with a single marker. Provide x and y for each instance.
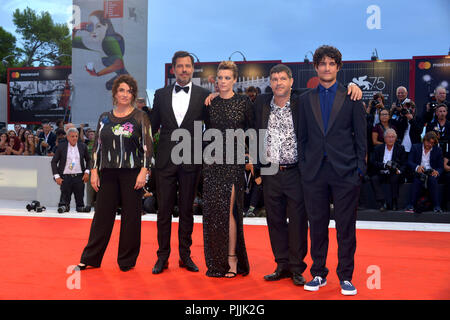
(125, 130)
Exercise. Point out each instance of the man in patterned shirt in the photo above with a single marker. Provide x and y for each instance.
(283, 193)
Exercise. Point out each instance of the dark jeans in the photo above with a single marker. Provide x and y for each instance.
(432, 185)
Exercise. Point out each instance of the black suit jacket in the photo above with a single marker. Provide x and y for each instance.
(51, 140)
(345, 141)
(436, 158)
(163, 119)
(398, 155)
(60, 158)
(262, 113)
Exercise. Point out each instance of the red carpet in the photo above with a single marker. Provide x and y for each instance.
(36, 252)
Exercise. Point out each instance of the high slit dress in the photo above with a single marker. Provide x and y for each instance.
(218, 181)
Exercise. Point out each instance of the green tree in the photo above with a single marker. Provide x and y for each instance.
(7, 48)
(43, 40)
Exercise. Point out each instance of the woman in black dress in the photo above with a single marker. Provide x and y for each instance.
(120, 161)
(223, 182)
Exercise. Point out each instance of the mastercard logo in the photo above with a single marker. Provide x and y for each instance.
(424, 65)
(15, 75)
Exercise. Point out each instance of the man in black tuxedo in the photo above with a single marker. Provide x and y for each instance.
(176, 107)
(332, 138)
(70, 167)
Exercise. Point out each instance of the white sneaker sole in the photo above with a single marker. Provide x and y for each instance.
(349, 292)
(314, 288)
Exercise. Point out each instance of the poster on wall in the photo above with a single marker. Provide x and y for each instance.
(109, 39)
(430, 73)
(250, 74)
(40, 93)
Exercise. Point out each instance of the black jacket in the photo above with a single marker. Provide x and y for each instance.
(59, 160)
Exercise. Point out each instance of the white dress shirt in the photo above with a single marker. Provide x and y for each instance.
(73, 163)
(387, 154)
(180, 102)
(425, 159)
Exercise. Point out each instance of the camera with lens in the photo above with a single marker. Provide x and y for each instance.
(424, 176)
(392, 166)
(406, 107)
(63, 208)
(36, 206)
(247, 159)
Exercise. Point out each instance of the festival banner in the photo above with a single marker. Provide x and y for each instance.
(372, 77)
(36, 94)
(430, 72)
(250, 73)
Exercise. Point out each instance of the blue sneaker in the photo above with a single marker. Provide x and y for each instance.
(347, 288)
(315, 284)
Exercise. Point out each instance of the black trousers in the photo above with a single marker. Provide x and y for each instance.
(72, 183)
(345, 194)
(116, 185)
(168, 181)
(283, 199)
(386, 187)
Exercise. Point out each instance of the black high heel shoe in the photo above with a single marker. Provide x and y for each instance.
(231, 274)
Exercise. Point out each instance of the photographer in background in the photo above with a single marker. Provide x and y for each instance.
(389, 163)
(374, 108)
(47, 137)
(402, 95)
(441, 126)
(409, 128)
(427, 161)
(438, 98)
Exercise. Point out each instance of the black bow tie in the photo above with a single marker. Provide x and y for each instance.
(178, 88)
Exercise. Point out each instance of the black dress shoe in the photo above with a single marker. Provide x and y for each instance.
(298, 279)
(160, 265)
(188, 264)
(278, 274)
(126, 268)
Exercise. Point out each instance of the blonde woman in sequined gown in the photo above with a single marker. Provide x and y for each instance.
(223, 183)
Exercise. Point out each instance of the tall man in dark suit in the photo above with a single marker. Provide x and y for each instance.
(70, 167)
(176, 107)
(332, 137)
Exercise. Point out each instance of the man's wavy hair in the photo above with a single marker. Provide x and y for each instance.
(327, 51)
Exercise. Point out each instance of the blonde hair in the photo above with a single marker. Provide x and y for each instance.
(228, 65)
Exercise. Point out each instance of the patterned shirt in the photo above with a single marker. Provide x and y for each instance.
(124, 142)
(281, 140)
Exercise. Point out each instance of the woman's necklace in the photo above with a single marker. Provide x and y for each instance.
(124, 113)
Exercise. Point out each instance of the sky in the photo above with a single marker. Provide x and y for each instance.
(277, 29)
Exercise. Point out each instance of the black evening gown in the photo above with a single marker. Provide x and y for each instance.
(218, 180)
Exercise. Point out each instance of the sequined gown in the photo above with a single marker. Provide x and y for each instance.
(218, 180)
